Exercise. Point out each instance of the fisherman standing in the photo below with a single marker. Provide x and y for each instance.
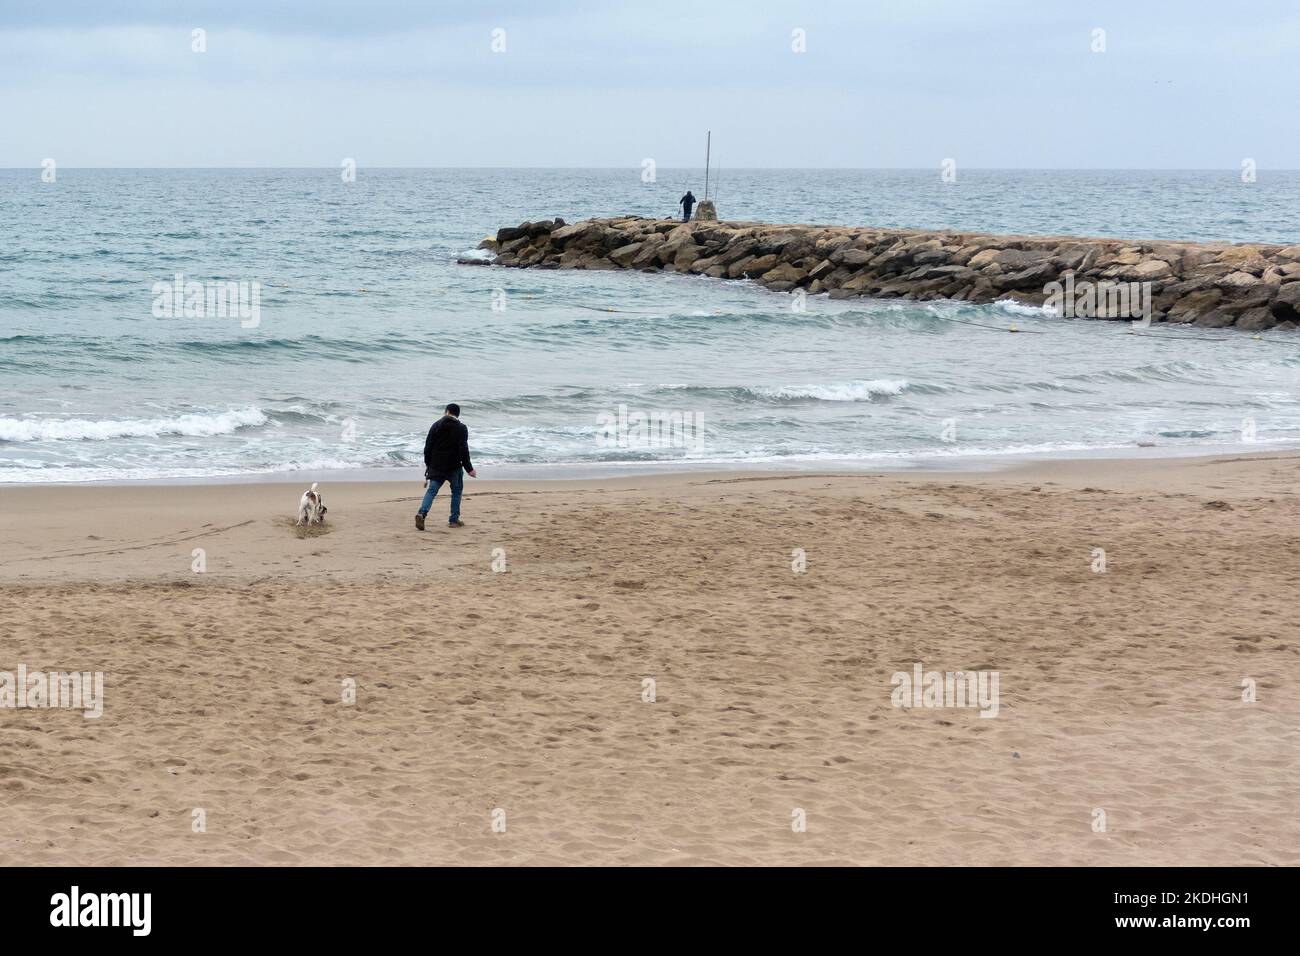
(687, 202)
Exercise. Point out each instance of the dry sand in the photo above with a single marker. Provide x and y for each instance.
(523, 691)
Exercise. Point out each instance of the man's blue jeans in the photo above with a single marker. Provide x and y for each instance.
(457, 481)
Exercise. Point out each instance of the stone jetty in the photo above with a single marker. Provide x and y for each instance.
(1253, 286)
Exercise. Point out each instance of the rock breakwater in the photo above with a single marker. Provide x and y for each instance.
(1246, 286)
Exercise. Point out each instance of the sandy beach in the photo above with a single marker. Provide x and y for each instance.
(516, 700)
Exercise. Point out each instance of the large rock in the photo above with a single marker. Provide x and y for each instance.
(822, 268)
(1238, 280)
(1012, 260)
(511, 233)
(565, 234)
(648, 253)
(1286, 304)
(1240, 300)
(624, 255)
(1148, 271)
(941, 272)
(894, 259)
(1078, 256)
(783, 272)
(1194, 304)
(740, 248)
(737, 269)
(1256, 320)
(932, 256)
(1215, 319)
(831, 243)
(574, 259)
(853, 258)
(758, 265)
(798, 247)
(862, 282)
(686, 253)
(1289, 295)
(1244, 259)
(710, 235)
(1035, 276)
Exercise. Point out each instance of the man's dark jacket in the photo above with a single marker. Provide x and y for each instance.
(446, 448)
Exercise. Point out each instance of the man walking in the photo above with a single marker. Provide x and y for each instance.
(687, 202)
(446, 452)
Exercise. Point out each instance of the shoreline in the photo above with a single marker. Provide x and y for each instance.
(936, 464)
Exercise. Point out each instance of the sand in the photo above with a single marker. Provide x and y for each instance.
(501, 717)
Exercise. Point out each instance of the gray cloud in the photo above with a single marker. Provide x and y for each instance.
(886, 83)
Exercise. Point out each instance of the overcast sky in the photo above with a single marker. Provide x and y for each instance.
(991, 83)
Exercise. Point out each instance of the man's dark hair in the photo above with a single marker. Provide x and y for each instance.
(453, 409)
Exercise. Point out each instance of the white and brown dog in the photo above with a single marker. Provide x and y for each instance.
(311, 509)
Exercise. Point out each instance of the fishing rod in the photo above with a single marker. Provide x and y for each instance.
(708, 148)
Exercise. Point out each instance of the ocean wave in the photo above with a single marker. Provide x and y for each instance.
(858, 390)
(315, 345)
(44, 473)
(82, 429)
(129, 346)
(671, 325)
(1019, 308)
(855, 391)
(1183, 372)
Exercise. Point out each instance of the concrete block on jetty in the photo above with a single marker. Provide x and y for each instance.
(1252, 286)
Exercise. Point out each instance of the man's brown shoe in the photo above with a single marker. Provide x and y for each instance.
(419, 521)
(456, 524)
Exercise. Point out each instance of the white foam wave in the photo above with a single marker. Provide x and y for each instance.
(855, 391)
(43, 473)
(1019, 308)
(83, 429)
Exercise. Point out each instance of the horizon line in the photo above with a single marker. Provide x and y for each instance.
(636, 167)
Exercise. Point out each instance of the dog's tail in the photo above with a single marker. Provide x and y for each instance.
(314, 484)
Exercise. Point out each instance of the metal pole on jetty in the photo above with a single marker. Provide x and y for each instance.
(706, 210)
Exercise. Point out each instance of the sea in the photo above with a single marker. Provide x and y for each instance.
(365, 326)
